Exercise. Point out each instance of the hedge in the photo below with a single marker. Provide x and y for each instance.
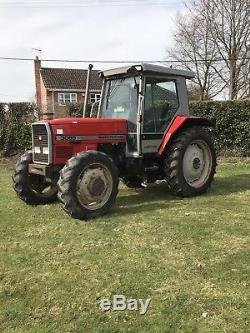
(15, 120)
(231, 133)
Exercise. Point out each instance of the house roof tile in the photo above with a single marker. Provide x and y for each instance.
(70, 79)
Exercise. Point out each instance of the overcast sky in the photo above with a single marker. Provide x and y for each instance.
(106, 33)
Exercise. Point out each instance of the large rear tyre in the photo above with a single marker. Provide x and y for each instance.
(190, 162)
(31, 188)
(88, 185)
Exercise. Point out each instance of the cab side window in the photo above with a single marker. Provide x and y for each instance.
(161, 104)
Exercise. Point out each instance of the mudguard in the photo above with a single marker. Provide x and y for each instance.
(179, 123)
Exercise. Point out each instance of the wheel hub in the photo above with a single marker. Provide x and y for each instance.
(196, 163)
(94, 186)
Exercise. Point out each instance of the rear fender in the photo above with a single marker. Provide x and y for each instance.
(180, 123)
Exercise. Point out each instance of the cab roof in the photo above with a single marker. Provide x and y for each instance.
(145, 68)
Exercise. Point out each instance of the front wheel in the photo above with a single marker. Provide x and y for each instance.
(31, 188)
(190, 162)
(88, 185)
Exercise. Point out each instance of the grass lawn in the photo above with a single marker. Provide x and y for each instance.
(191, 257)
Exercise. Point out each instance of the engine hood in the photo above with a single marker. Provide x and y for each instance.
(88, 126)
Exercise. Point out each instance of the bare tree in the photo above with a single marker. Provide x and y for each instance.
(195, 50)
(215, 37)
(194, 91)
(244, 84)
(229, 27)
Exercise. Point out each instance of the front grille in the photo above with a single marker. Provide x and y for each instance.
(40, 143)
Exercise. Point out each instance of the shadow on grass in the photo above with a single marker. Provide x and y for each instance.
(157, 192)
(151, 199)
(230, 184)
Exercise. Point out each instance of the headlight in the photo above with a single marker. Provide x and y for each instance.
(37, 150)
(46, 150)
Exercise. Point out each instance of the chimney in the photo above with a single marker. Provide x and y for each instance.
(37, 67)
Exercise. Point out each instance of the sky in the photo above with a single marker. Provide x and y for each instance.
(65, 30)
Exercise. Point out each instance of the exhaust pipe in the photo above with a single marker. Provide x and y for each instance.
(87, 91)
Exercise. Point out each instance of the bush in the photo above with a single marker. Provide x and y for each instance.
(76, 110)
(15, 133)
(232, 131)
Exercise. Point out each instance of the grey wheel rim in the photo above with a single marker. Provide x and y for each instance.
(94, 186)
(197, 163)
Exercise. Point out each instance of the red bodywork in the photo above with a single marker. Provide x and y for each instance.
(177, 124)
(73, 135)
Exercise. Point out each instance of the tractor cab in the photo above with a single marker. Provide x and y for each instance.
(149, 97)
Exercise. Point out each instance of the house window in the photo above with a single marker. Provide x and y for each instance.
(66, 98)
(95, 97)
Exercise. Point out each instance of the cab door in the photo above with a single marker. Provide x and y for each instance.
(121, 101)
(160, 106)
(133, 148)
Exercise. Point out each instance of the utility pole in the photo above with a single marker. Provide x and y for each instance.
(87, 91)
(38, 51)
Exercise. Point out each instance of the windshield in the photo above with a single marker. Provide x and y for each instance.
(121, 100)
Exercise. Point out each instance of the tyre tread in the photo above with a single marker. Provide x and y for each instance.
(66, 185)
(174, 158)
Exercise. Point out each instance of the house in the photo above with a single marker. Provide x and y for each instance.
(58, 87)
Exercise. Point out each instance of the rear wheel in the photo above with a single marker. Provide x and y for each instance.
(190, 162)
(32, 188)
(88, 185)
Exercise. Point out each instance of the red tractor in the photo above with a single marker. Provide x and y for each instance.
(143, 133)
